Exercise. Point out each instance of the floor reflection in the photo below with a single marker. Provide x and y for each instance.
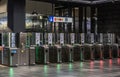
(101, 68)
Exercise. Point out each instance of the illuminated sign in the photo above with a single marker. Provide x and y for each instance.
(13, 40)
(13, 51)
(61, 19)
(37, 38)
(50, 18)
(72, 36)
(61, 38)
(49, 38)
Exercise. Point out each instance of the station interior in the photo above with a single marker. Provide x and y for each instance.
(59, 38)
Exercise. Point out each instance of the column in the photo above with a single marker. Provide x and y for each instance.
(16, 15)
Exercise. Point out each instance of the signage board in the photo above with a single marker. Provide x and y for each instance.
(61, 38)
(72, 36)
(13, 40)
(49, 38)
(37, 39)
(101, 38)
(61, 19)
(92, 37)
(82, 38)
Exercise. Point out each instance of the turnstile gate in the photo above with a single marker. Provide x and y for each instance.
(55, 54)
(42, 55)
(108, 52)
(88, 52)
(115, 50)
(111, 51)
(67, 53)
(78, 53)
(32, 55)
(23, 57)
(98, 53)
(1, 52)
(118, 51)
(10, 56)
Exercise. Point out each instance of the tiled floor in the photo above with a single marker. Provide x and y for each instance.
(106, 68)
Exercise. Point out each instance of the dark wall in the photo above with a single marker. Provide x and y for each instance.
(16, 15)
(109, 18)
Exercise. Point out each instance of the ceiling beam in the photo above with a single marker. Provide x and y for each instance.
(79, 1)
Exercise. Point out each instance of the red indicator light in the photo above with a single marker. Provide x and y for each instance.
(91, 64)
(118, 60)
(110, 62)
(101, 64)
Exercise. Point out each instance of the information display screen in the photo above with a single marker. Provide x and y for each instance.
(14, 51)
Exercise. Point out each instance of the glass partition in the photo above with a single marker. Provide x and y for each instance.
(34, 23)
(3, 23)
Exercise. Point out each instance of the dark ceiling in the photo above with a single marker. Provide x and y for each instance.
(81, 1)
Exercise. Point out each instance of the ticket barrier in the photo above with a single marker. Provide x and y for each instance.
(37, 54)
(115, 50)
(89, 52)
(0, 57)
(51, 54)
(23, 56)
(118, 51)
(42, 54)
(18, 57)
(1, 52)
(108, 52)
(32, 55)
(55, 54)
(98, 53)
(10, 56)
(78, 53)
(67, 53)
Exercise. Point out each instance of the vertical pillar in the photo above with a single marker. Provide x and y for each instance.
(16, 15)
(69, 15)
(92, 19)
(74, 25)
(60, 24)
(81, 19)
(85, 20)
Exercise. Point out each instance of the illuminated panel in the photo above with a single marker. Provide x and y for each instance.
(45, 70)
(91, 64)
(58, 68)
(110, 62)
(118, 60)
(70, 67)
(11, 72)
(81, 64)
(89, 1)
(101, 64)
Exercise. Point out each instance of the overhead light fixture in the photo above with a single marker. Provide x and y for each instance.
(90, 1)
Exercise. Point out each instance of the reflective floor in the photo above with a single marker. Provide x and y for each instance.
(106, 68)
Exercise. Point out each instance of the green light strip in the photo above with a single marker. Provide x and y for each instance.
(45, 58)
(70, 56)
(81, 55)
(81, 64)
(10, 60)
(11, 72)
(45, 70)
(58, 68)
(37, 50)
(58, 57)
(70, 67)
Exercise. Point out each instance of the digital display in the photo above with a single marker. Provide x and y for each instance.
(13, 40)
(51, 18)
(49, 38)
(61, 38)
(14, 51)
